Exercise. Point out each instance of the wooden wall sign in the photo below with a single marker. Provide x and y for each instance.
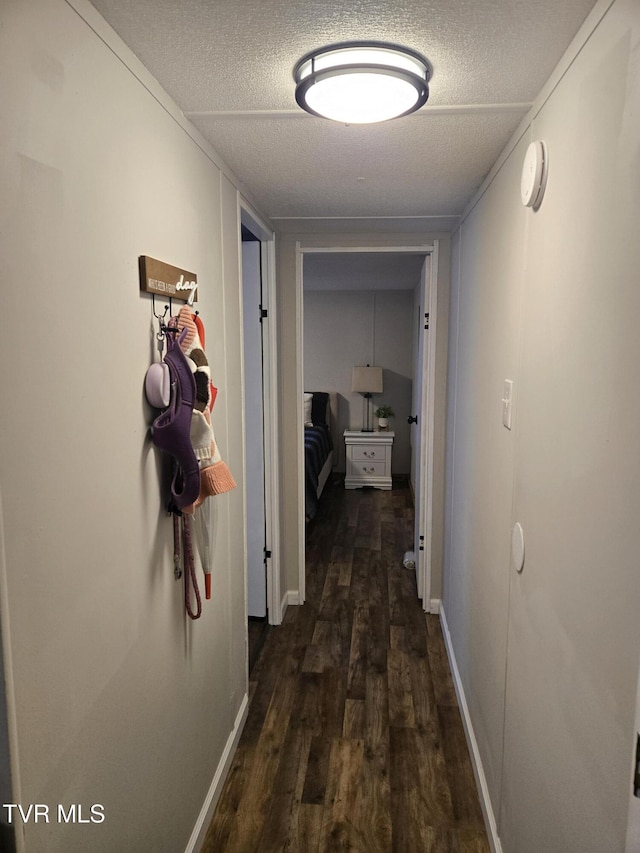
(166, 280)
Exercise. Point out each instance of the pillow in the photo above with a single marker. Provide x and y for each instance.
(308, 403)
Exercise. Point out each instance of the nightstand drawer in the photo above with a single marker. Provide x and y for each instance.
(369, 453)
(364, 468)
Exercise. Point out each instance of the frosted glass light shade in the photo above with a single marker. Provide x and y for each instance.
(362, 82)
(366, 380)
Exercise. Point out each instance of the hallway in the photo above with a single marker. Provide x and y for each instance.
(354, 740)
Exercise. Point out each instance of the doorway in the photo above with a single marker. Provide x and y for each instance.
(421, 372)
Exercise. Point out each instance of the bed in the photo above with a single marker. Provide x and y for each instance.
(319, 444)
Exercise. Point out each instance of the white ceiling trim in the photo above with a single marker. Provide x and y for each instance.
(439, 109)
(366, 218)
(368, 250)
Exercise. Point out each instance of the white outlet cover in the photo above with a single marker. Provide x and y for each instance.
(534, 172)
(517, 547)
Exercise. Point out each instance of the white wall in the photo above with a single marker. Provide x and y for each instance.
(347, 328)
(548, 660)
(117, 698)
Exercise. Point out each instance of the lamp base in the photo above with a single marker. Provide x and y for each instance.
(367, 425)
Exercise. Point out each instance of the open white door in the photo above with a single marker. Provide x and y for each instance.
(418, 443)
(422, 430)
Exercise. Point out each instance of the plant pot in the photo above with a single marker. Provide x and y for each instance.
(383, 424)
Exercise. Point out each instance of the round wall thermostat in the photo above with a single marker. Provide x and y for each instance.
(534, 174)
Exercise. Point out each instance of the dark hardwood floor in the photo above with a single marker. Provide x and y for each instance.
(354, 740)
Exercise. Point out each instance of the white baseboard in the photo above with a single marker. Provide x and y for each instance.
(291, 596)
(215, 789)
(434, 605)
(478, 769)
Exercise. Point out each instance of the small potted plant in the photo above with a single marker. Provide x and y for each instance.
(383, 413)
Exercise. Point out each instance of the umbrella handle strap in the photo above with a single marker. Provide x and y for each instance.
(190, 579)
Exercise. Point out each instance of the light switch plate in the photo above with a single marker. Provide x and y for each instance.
(507, 402)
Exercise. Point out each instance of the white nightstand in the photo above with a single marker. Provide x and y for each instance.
(368, 459)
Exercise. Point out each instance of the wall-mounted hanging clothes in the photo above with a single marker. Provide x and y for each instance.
(215, 476)
(171, 430)
(182, 383)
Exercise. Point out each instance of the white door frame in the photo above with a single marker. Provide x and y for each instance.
(254, 223)
(427, 415)
(254, 443)
(428, 435)
(633, 816)
(418, 433)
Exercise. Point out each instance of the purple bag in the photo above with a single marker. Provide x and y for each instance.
(171, 430)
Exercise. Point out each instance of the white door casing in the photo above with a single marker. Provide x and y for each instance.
(270, 422)
(254, 434)
(633, 818)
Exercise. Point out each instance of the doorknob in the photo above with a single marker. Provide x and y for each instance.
(412, 419)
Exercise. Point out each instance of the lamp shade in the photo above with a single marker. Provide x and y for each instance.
(366, 380)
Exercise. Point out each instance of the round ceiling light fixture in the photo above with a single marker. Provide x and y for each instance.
(362, 82)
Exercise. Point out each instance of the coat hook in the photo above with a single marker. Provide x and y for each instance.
(158, 316)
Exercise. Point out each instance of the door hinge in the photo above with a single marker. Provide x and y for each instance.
(263, 313)
(267, 554)
(421, 545)
(426, 321)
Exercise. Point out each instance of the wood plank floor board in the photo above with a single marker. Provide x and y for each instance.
(422, 692)
(379, 628)
(357, 665)
(315, 783)
(341, 828)
(439, 662)
(401, 710)
(377, 701)
(372, 812)
(388, 535)
(309, 826)
(354, 723)
(353, 739)
(332, 701)
(466, 805)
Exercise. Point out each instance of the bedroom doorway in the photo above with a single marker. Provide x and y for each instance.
(260, 435)
(354, 320)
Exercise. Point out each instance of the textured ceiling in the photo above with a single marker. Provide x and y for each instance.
(224, 60)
